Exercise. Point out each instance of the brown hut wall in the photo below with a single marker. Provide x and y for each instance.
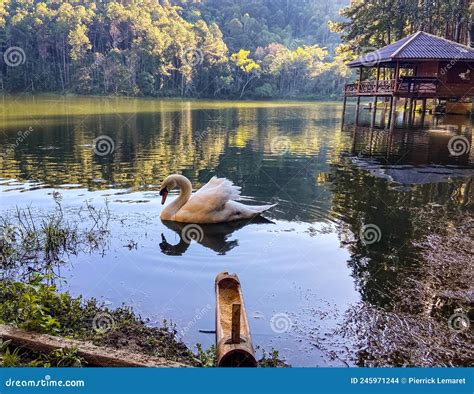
(452, 85)
(427, 69)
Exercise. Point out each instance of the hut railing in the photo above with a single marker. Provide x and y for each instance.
(417, 85)
(406, 86)
(351, 89)
(370, 87)
(386, 86)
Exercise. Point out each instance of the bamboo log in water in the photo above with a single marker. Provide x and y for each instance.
(233, 341)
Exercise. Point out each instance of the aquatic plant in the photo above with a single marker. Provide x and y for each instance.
(36, 241)
(207, 358)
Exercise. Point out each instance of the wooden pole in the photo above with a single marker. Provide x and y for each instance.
(343, 111)
(397, 75)
(384, 112)
(410, 111)
(414, 111)
(390, 113)
(423, 111)
(393, 114)
(357, 111)
(235, 337)
(374, 111)
(405, 104)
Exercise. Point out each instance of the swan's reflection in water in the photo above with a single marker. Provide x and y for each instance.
(212, 236)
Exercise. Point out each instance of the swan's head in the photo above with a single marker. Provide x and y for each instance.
(167, 185)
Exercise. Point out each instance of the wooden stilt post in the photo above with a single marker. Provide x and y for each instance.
(384, 111)
(423, 111)
(343, 111)
(374, 112)
(393, 114)
(357, 111)
(405, 104)
(358, 97)
(390, 113)
(410, 112)
(393, 101)
(414, 110)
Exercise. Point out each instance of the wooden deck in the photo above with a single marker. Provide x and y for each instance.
(406, 87)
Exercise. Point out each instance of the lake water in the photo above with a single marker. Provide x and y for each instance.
(301, 270)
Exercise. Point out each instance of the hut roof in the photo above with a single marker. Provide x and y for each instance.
(418, 46)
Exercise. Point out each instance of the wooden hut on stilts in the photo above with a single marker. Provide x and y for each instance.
(414, 69)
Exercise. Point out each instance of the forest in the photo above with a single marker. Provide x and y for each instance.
(205, 48)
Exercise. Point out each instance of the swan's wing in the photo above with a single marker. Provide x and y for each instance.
(213, 196)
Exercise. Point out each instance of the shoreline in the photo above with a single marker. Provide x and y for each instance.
(337, 99)
(73, 332)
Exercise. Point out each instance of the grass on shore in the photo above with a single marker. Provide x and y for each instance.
(37, 306)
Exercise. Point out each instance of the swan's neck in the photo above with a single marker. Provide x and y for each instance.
(185, 190)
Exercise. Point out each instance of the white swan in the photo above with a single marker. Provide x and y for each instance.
(213, 203)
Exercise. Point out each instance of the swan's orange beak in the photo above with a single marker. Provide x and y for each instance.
(163, 194)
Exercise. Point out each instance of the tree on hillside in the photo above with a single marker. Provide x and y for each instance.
(381, 22)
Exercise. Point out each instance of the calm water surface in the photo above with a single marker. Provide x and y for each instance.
(301, 270)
